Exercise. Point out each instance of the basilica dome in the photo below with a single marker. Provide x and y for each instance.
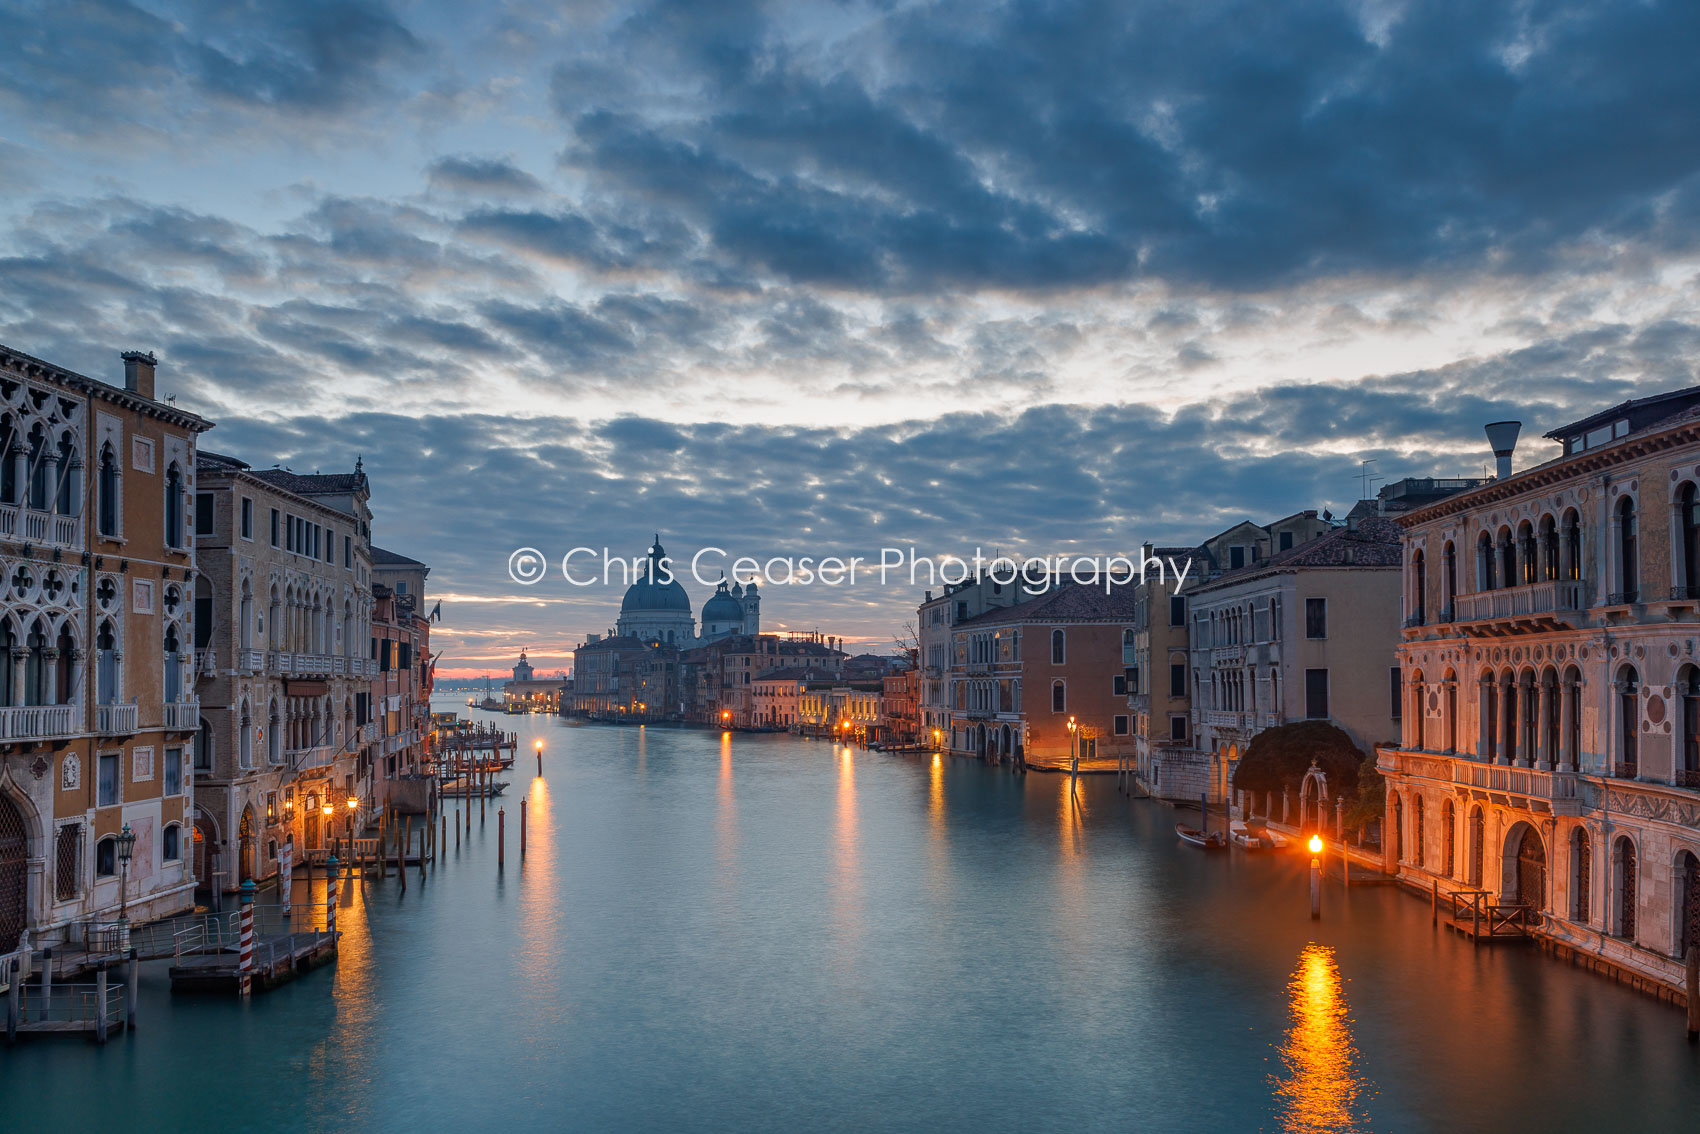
(722, 607)
(648, 593)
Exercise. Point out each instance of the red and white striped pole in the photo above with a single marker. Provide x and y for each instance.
(331, 867)
(245, 961)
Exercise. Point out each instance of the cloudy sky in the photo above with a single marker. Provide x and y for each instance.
(818, 278)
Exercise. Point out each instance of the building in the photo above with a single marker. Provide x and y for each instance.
(1550, 749)
(1039, 681)
(404, 576)
(657, 609)
(99, 622)
(957, 602)
(626, 678)
(1158, 674)
(844, 710)
(528, 693)
(399, 742)
(719, 678)
(900, 708)
(286, 590)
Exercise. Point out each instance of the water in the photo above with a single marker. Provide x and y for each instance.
(762, 933)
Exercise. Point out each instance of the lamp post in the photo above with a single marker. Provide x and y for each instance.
(353, 809)
(1073, 748)
(539, 747)
(1315, 877)
(330, 835)
(126, 847)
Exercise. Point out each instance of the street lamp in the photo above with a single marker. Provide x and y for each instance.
(1073, 747)
(126, 847)
(1315, 877)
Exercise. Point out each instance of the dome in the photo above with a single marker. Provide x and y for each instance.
(648, 594)
(722, 607)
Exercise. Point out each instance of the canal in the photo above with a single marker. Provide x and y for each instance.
(763, 933)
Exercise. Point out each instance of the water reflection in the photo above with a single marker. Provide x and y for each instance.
(726, 817)
(540, 904)
(847, 872)
(1319, 1092)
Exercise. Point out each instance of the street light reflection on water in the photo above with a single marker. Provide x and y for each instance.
(1320, 1089)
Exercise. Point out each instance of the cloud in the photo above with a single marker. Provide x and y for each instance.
(467, 174)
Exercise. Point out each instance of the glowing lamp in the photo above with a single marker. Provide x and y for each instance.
(1316, 844)
(353, 803)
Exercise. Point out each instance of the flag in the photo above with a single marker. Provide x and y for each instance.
(436, 612)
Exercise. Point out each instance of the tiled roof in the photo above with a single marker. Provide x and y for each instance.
(207, 459)
(1074, 602)
(1373, 542)
(382, 558)
(313, 484)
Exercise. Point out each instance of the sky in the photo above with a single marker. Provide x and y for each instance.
(817, 279)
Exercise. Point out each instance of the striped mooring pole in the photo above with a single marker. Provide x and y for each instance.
(245, 959)
(331, 868)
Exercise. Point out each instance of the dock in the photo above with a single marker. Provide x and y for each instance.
(277, 959)
(1473, 915)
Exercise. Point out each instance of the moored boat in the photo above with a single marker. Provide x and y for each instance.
(1251, 838)
(1211, 841)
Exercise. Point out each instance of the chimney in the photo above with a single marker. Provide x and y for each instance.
(1502, 437)
(138, 372)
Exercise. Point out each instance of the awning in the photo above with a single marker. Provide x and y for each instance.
(297, 688)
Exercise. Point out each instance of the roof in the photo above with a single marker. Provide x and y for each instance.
(807, 674)
(313, 484)
(1655, 409)
(1372, 542)
(382, 558)
(206, 459)
(1074, 602)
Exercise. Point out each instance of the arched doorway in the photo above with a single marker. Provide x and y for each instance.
(1526, 867)
(206, 854)
(245, 846)
(14, 875)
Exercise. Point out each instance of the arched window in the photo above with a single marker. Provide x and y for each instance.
(1508, 717)
(1451, 685)
(68, 497)
(38, 469)
(1581, 876)
(8, 641)
(106, 857)
(1572, 545)
(1398, 829)
(1417, 838)
(174, 507)
(1507, 558)
(107, 510)
(1552, 704)
(1419, 596)
(1059, 697)
(9, 442)
(1628, 721)
(1485, 573)
(1625, 876)
(35, 665)
(1449, 831)
(1572, 748)
(173, 665)
(1449, 575)
(1527, 554)
(1488, 735)
(1685, 881)
(1688, 514)
(1628, 554)
(171, 843)
(245, 620)
(106, 664)
(1688, 771)
(65, 681)
(1476, 836)
(1059, 650)
(1418, 706)
(1549, 548)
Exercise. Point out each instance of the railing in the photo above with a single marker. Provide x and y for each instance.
(40, 527)
(251, 661)
(1537, 782)
(1412, 622)
(38, 722)
(1687, 778)
(181, 716)
(116, 720)
(1625, 771)
(1218, 719)
(1530, 598)
(316, 757)
(370, 731)
(1689, 592)
(1623, 598)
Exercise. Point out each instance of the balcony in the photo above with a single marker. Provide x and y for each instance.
(1526, 609)
(1687, 778)
(116, 720)
(1216, 718)
(38, 722)
(180, 716)
(1557, 789)
(251, 661)
(318, 756)
(27, 525)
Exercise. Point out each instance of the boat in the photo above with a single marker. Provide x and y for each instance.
(1212, 841)
(1255, 838)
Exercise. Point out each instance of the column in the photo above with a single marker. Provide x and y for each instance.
(1507, 721)
(1484, 710)
(1525, 698)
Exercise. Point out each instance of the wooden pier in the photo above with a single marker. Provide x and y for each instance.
(276, 959)
(1472, 914)
(94, 1008)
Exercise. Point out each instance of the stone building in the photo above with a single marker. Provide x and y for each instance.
(1021, 675)
(1550, 751)
(99, 622)
(398, 747)
(286, 589)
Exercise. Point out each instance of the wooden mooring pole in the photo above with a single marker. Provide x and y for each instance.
(522, 829)
(501, 836)
(130, 983)
(99, 1003)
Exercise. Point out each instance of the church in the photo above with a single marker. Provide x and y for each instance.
(656, 611)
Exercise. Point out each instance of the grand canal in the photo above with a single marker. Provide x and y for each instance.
(762, 933)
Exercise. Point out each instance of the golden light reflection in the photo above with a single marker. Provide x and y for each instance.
(726, 818)
(540, 911)
(935, 796)
(1320, 1090)
(847, 874)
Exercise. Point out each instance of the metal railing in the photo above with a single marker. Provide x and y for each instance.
(181, 716)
